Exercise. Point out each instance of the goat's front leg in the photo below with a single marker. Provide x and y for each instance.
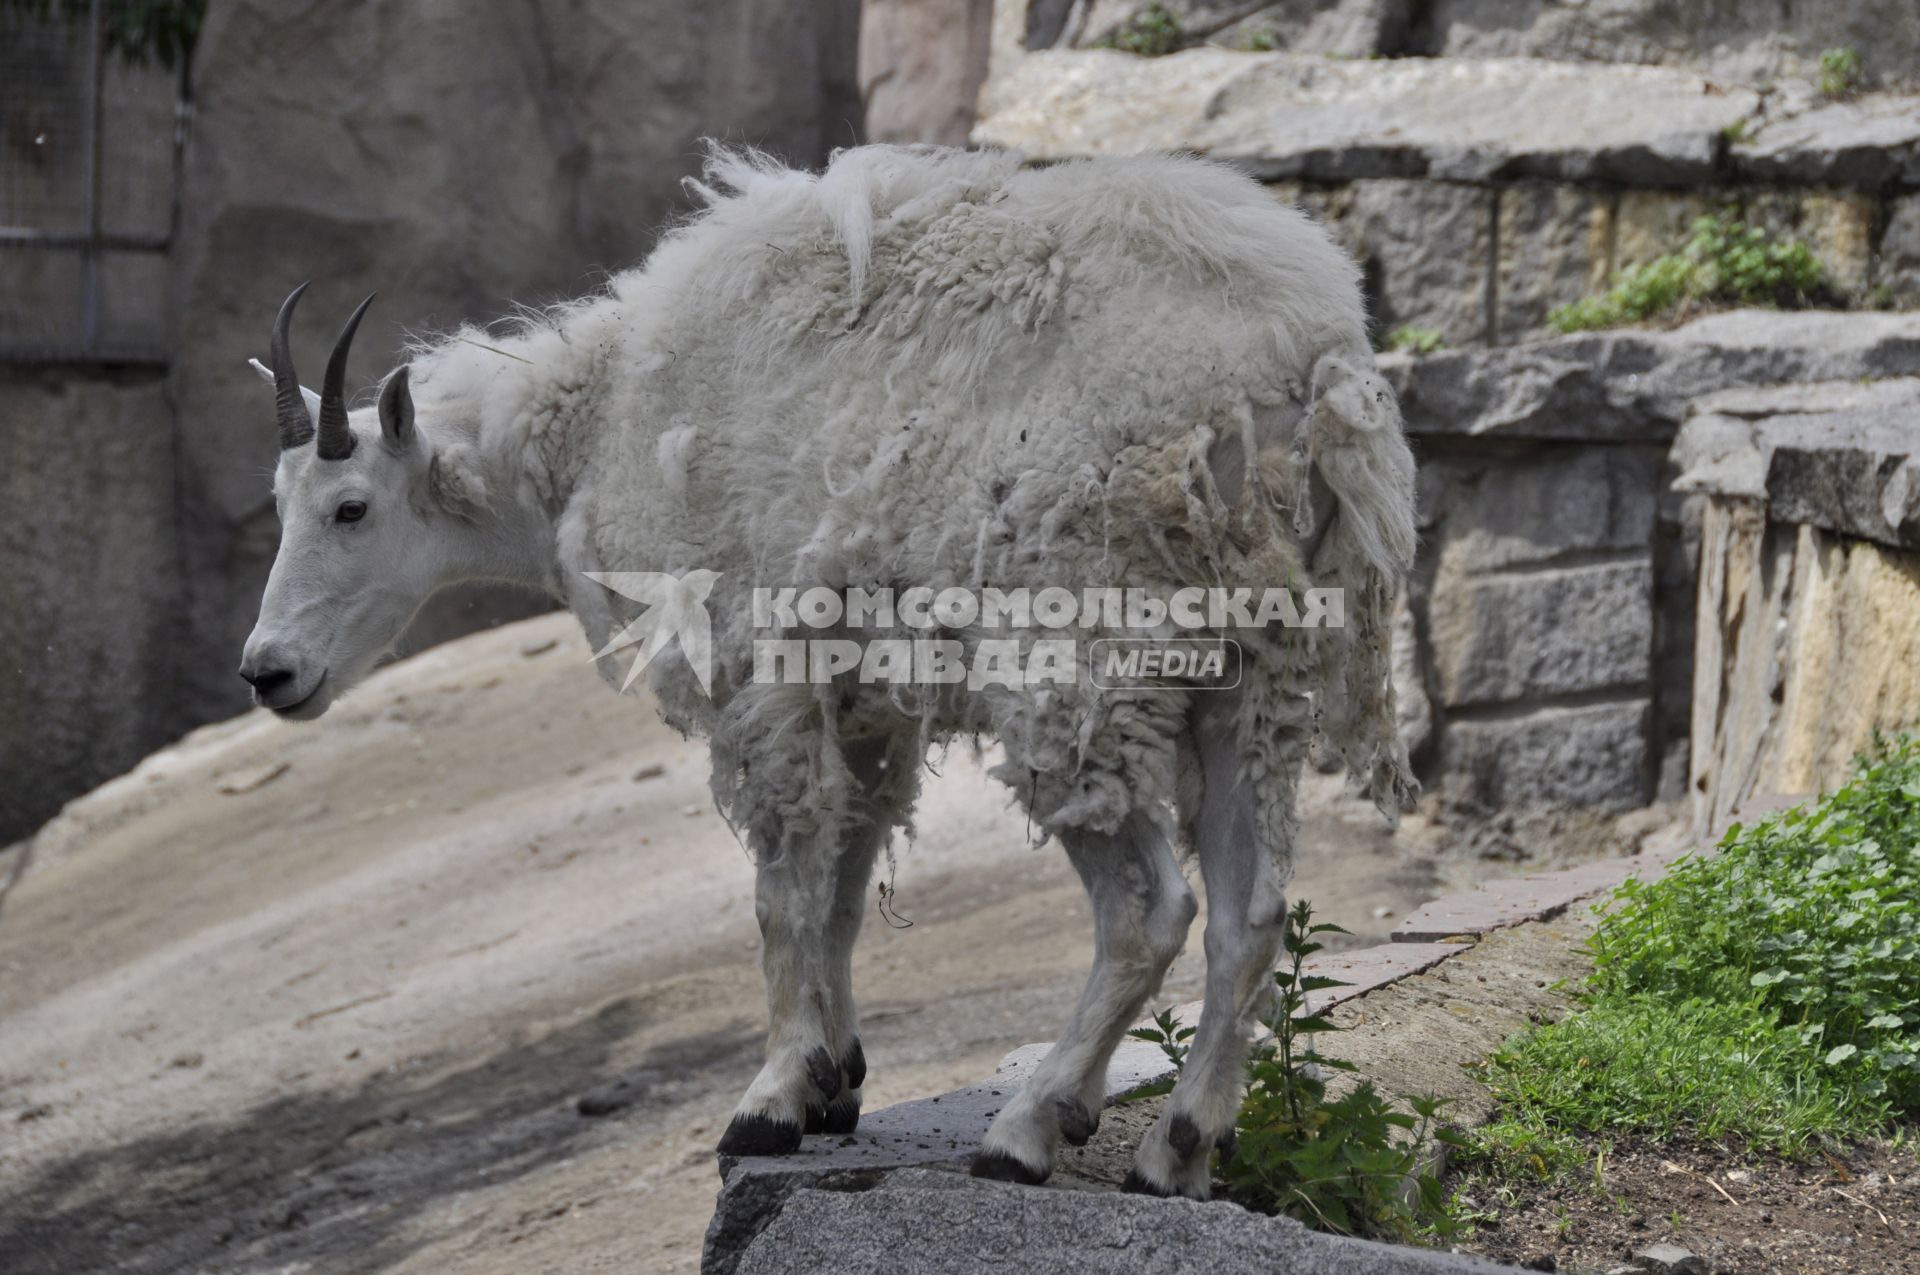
(809, 898)
(1142, 907)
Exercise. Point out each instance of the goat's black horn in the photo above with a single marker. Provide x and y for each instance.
(336, 440)
(290, 406)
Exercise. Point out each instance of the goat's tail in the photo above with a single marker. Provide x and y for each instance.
(1357, 447)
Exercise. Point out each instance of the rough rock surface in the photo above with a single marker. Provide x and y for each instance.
(1283, 115)
(1808, 643)
(1585, 756)
(926, 1222)
(921, 66)
(1569, 630)
(1841, 456)
(87, 587)
(1635, 385)
(1754, 41)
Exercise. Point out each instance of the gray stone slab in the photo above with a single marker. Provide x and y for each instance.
(1637, 385)
(1844, 457)
(1898, 266)
(921, 1221)
(1592, 755)
(1512, 901)
(1426, 246)
(1496, 510)
(1871, 141)
(1560, 631)
(1286, 115)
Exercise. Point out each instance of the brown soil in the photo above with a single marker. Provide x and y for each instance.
(1857, 1213)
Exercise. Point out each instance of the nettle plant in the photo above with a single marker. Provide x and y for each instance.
(1813, 913)
(1353, 1164)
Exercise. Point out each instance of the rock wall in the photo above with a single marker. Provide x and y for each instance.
(1809, 601)
(1749, 41)
(1553, 602)
(457, 158)
(1482, 193)
(88, 597)
(922, 63)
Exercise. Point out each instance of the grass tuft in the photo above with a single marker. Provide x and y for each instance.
(1725, 262)
(1765, 993)
(1151, 33)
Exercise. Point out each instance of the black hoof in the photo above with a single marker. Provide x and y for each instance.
(1183, 1135)
(1137, 1185)
(1001, 1167)
(855, 1066)
(1077, 1124)
(843, 1114)
(824, 1072)
(1229, 1145)
(816, 1120)
(760, 1135)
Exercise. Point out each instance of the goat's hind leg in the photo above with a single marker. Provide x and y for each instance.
(1141, 910)
(809, 900)
(1246, 921)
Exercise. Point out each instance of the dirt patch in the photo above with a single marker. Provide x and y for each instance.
(1857, 1213)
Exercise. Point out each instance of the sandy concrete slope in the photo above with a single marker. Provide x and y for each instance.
(335, 997)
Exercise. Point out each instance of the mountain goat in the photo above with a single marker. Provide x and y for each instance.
(920, 370)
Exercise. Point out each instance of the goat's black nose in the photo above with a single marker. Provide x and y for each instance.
(267, 681)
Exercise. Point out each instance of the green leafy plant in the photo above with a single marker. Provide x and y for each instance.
(1352, 1164)
(1839, 72)
(1415, 340)
(1152, 32)
(1259, 40)
(133, 30)
(1765, 992)
(1172, 1038)
(1724, 262)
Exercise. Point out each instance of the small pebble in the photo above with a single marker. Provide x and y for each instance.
(1670, 1259)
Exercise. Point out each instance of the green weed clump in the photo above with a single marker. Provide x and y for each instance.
(1769, 992)
(1153, 32)
(1839, 72)
(1415, 340)
(1725, 262)
(1353, 1165)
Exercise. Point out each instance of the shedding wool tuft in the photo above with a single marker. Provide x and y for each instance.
(939, 368)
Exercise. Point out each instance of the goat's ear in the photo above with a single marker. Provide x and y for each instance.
(396, 412)
(313, 400)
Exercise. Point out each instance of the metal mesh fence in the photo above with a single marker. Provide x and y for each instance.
(89, 164)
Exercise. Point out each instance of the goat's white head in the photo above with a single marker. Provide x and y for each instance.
(362, 543)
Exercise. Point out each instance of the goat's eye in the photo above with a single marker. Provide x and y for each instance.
(351, 511)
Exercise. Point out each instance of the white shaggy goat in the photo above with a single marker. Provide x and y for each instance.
(931, 369)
